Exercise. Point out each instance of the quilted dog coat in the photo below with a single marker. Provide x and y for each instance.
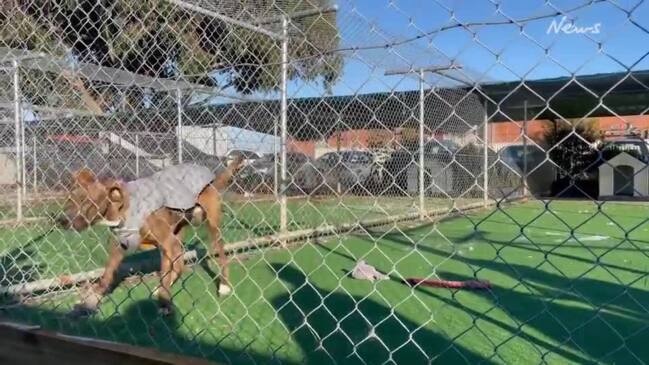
(176, 187)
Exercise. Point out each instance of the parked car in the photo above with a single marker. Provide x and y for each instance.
(541, 173)
(347, 170)
(634, 146)
(248, 156)
(259, 175)
(401, 169)
(266, 164)
(443, 146)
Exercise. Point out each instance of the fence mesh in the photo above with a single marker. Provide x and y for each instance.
(412, 181)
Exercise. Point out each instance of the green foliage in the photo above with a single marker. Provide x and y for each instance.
(157, 38)
(569, 144)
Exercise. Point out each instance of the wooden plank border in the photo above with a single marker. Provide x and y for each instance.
(32, 345)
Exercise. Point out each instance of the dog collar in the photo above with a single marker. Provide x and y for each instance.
(111, 224)
(121, 230)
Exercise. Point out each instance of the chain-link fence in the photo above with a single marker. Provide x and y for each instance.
(328, 182)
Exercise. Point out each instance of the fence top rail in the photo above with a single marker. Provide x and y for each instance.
(191, 6)
(114, 76)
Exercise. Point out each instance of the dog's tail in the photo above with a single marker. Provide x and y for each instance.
(223, 179)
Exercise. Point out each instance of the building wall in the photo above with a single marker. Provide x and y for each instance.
(353, 139)
(503, 134)
(7, 169)
(639, 121)
(500, 135)
(512, 132)
(306, 147)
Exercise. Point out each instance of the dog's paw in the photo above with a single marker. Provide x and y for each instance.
(81, 310)
(166, 308)
(166, 311)
(224, 289)
(89, 300)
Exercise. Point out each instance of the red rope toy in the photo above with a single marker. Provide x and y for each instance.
(468, 284)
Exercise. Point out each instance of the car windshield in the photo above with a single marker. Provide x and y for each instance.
(440, 147)
(296, 157)
(290, 157)
(355, 157)
(244, 154)
(633, 147)
(267, 158)
(516, 154)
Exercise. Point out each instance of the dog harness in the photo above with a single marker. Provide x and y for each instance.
(176, 187)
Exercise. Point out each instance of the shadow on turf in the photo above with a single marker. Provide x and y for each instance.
(566, 231)
(537, 311)
(535, 246)
(18, 265)
(341, 330)
(130, 326)
(596, 318)
(330, 326)
(266, 229)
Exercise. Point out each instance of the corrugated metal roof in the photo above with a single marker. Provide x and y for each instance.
(621, 93)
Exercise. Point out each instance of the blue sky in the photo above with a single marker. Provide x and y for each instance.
(495, 53)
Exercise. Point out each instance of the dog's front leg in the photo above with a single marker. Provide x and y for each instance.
(91, 297)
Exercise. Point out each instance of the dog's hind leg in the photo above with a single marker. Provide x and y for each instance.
(171, 267)
(210, 200)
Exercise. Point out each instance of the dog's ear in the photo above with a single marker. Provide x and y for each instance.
(115, 202)
(84, 177)
(115, 193)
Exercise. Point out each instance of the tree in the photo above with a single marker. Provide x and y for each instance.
(159, 39)
(570, 144)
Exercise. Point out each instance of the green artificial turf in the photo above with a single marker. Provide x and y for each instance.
(570, 286)
(31, 209)
(41, 251)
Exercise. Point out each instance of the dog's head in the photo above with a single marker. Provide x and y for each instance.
(93, 200)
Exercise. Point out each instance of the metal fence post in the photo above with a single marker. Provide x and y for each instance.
(179, 127)
(525, 147)
(275, 161)
(214, 151)
(23, 159)
(18, 140)
(283, 216)
(137, 156)
(420, 72)
(339, 188)
(422, 189)
(34, 164)
(485, 167)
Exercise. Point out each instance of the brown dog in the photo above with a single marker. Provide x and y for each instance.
(93, 200)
